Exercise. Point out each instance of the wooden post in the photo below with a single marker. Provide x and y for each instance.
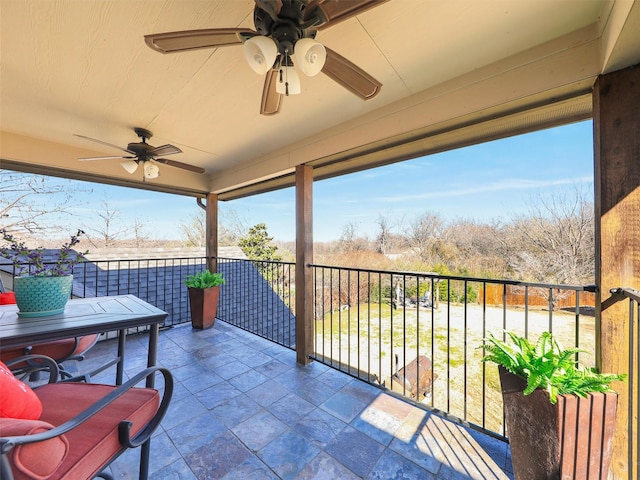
(304, 257)
(616, 115)
(212, 232)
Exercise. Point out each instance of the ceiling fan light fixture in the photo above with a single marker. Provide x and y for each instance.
(261, 53)
(151, 170)
(310, 56)
(130, 165)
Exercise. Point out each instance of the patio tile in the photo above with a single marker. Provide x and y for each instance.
(319, 427)
(288, 454)
(355, 450)
(218, 458)
(259, 430)
(187, 371)
(268, 392)
(196, 432)
(217, 395)
(315, 392)
(165, 452)
(325, 467)
(291, 408)
(294, 378)
(178, 470)
(392, 466)
(201, 382)
(334, 378)
(255, 359)
(362, 391)
(232, 369)
(343, 406)
(236, 410)
(182, 411)
(248, 380)
(251, 469)
(272, 368)
(377, 424)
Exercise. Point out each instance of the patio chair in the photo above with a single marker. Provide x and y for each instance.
(60, 350)
(82, 427)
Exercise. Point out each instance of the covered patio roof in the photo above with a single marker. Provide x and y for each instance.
(453, 73)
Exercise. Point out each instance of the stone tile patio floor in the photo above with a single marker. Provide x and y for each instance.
(244, 409)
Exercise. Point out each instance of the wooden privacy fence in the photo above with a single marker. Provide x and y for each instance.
(516, 295)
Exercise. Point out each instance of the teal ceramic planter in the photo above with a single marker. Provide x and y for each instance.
(38, 296)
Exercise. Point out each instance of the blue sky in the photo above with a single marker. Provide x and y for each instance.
(494, 180)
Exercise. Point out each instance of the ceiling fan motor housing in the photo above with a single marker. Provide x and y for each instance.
(287, 28)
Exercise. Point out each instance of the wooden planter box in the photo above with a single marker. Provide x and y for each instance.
(204, 306)
(569, 440)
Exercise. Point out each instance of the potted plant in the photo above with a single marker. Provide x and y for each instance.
(560, 415)
(41, 286)
(204, 291)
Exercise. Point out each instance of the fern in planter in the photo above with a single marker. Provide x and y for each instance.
(204, 279)
(547, 365)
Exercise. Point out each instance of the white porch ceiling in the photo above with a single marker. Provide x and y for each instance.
(453, 72)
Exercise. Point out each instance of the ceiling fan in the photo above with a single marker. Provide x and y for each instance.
(145, 154)
(284, 29)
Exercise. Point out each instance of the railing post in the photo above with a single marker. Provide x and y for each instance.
(304, 258)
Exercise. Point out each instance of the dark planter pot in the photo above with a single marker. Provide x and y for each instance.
(569, 440)
(204, 306)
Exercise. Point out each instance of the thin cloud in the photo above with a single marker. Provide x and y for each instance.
(510, 184)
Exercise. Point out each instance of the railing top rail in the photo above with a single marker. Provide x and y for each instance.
(626, 292)
(438, 277)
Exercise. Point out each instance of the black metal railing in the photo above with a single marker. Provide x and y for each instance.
(633, 378)
(258, 297)
(414, 333)
(420, 334)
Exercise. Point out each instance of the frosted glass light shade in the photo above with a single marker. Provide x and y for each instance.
(288, 82)
(261, 53)
(130, 165)
(310, 56)
(151, 170)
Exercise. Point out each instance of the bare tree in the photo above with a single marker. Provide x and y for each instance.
(231, 228)
(29, 204)
(350, 241)
(109, 231)
(141, 237)
(195, 230)
(555, 242)
(425, 237)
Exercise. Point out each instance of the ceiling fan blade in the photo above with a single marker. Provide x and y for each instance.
(271, 100)
(350, 76)
(184, 166)
(272, 7)
(330, 12)
(164, 150)
(171, 42)
(103, 143)
(84, 159)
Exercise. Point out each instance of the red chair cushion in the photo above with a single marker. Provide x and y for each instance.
(94, 443)
(17, 399)
(7, 298)
(35, 460)
(59, 350)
